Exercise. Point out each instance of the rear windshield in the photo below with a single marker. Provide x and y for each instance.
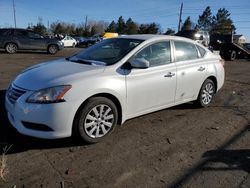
(109, 51)
(5, 32)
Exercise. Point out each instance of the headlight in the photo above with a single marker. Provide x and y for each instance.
(197, 35)
(49, 95)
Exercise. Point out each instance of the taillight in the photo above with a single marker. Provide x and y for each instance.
(222, 62)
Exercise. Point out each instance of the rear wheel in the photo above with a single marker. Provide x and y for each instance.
(52, 49)
(11, 48)
(206, 94)
(233, 55)
(96, 120)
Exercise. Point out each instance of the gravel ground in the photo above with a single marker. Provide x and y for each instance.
(182, 146)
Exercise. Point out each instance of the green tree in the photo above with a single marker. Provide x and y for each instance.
(112, 27)
(143, 29)
(222, 23)
(58, 28)
(205, 20)
(131, 27)
(187, 24)
(121, 26)
(93, 30)
(39, 27)
(170, 32)
(79, 31)
(151, 28)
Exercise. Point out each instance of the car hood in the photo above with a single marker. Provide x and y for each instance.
(53, 73)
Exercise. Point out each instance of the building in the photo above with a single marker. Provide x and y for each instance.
(240, 39)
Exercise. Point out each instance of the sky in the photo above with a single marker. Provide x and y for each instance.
(163, 12)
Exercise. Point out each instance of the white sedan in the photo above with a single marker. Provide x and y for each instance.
(69, 41)
(88, 94)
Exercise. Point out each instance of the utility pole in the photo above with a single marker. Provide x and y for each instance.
(48, 27)
(14, 11)
(86, 22)
(179, 25)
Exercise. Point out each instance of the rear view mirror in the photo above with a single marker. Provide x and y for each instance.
(140, 63)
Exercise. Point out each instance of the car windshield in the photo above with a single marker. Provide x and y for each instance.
(108, 51)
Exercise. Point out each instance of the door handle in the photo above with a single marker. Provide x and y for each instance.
(201, 69)
(169, 75)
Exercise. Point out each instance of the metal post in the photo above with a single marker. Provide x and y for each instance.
(179, 25)
(14, 11)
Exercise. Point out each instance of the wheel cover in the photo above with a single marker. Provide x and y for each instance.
(99, 121)
(52, 49)
(11, 48)
(207, 93)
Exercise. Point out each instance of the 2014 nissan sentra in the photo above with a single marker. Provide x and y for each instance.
(88, 94)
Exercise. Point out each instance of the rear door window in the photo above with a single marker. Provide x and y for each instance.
(5, 32)
(33, 34)
(20, 33)
(185, 51)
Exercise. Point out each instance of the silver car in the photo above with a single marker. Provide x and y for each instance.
(88, 94)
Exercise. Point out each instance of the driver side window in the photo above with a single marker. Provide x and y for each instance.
(157, 54)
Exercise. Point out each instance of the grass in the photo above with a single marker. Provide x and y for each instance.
(3, 163)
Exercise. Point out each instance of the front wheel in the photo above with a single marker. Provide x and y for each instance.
(206, 93)
(96, 120)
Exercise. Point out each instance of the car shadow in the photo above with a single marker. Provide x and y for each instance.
(219, 160)
(232, 160)
(20, 143)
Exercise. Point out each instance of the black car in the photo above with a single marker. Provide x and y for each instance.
(22, 39)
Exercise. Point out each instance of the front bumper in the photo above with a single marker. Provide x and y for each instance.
(60, 46)
(57, 116)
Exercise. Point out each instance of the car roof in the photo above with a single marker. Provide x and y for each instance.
(155, 37)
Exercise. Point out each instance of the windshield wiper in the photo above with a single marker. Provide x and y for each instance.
(79, 61)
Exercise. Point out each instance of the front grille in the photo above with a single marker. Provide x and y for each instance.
(14, 93)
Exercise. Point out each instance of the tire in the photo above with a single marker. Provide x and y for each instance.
(96, 120)
(11, 48)
(73, 45)
(233, 55)
(206, 94)
(52, 49)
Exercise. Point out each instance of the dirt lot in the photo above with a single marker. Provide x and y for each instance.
(177, 147)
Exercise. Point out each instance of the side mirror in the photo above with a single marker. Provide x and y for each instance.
(140, 63)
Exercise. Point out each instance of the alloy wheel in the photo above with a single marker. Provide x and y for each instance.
(99, 121)
(11, 48)
(207, 93)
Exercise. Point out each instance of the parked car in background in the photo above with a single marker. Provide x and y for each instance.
(111, 82)
(200, 36)
(13, 40)
(80, 41)
(90, 41)
(69, 41)
(108, 35)
(95, 39)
